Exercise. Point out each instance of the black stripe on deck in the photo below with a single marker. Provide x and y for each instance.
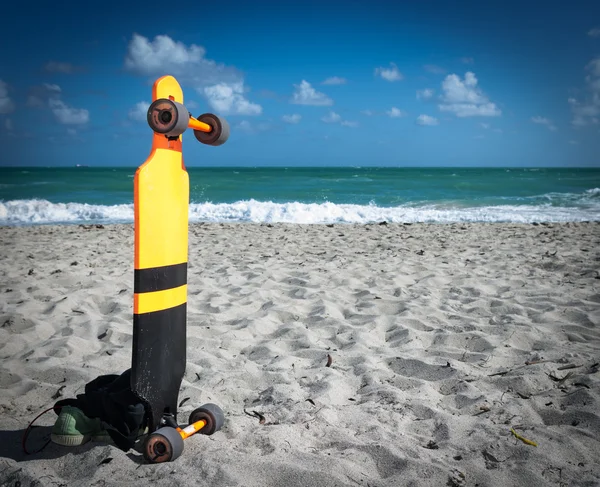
(159, 278)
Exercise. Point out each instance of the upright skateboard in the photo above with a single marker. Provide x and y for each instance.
(161, 201)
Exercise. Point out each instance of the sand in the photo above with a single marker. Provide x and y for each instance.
(442, 338)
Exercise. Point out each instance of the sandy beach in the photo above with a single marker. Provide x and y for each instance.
(441, 338)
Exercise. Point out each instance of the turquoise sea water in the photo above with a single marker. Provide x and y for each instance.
(311, 195)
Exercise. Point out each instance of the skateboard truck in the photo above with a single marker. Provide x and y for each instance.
(166, 443)
(161, 206)
(171, 119)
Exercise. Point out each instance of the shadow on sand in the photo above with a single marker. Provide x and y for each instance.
(39, 446)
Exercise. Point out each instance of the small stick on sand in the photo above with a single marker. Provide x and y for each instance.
(524, 440)
(499, 373)
(484, 409)
(576, 390)
(329, 361)
(593, 368)
(560, 380)
(256, 414)
(314, 417)
(570, 366)
(534, 362)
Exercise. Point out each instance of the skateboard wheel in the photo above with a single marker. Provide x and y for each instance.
(218, 135)
(164, 445)
(168, 117)
(212, 414)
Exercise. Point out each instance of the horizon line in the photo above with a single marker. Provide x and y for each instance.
(86, 166)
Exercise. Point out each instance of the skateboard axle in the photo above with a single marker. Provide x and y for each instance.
(198, 125)
(191, 429)
(169, 420)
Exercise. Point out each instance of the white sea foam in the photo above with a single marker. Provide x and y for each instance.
(42, 211)
(27, 212)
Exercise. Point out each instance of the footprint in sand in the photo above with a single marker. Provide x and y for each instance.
(397, 336)
(16, 323)
(417, 369)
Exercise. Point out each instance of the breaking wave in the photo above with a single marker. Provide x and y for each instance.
(586, 207)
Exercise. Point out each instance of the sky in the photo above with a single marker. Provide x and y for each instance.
(312, 83)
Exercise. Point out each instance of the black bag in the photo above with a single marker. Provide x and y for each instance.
(110, 398)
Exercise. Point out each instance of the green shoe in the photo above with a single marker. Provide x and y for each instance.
(73, 428)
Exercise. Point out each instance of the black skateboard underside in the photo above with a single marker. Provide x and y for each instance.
(159, 359)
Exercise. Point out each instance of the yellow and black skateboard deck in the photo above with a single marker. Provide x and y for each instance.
(161, 201)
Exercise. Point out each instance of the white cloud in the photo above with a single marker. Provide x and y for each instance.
(544, 121)
(52, 88)
(573, 142)
(305, 94)
(367, 113)
(140, 111)
(467, 110)
(6, 104)
(425, 94)
(72, 131)
(191, 104)
(39, 95)
(433, 69)
(465, 99)
(253, 128)
(459, 91)
(223, 86)
(389, 74)
(485, 125)
(427, 120)
(335, 80)
(8, 125)
(587, 111)
(294, 118)
(594, 68)
(332, 117)
(58, 67)
(49, 95)
(467, 60)
(34, 101)
(245, 126)
(395, 112)
(163, 54)
(228, 98)
(68, 115)
(595, 32)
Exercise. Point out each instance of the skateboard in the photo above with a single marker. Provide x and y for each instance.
(161, 203)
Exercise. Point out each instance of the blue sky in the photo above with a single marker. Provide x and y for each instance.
(308, 83)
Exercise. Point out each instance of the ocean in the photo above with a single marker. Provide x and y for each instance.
(31, 196)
